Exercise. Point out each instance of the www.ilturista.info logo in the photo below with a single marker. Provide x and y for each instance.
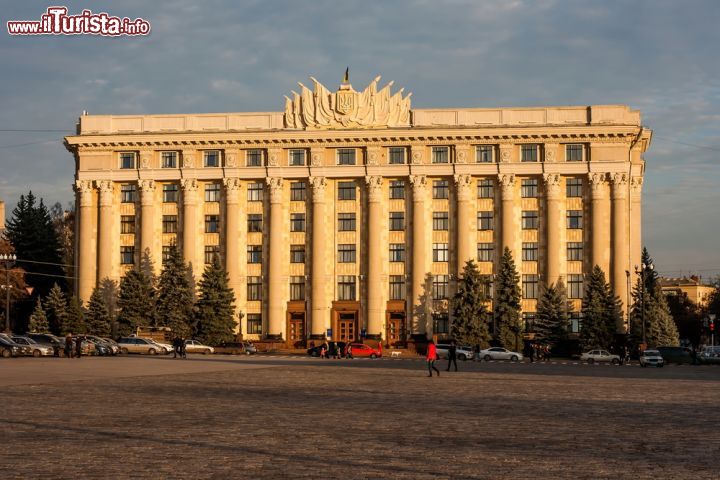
(56, 21)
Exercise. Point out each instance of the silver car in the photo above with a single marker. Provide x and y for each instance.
(462, 353)
(499, 353)
(600, 356)
(651, 358)
(139, 345)
(38, 350)
(195, 346)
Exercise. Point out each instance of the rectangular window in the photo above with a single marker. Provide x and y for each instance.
(574, 187)
(212, 223)
(254, 289)
(575, 322)
(396, 155)
(485, 220)
(575, 286)
(530, 252)
(254, 158)
(397, 252)
(485, 188)
(169, 223)
(397, 221)
(127, 255)
(254, 222)
(127, 160)
(168, 159)
(212, 192)
(297, 288)
(530, 219)
(574, 251)
(170, 193)
(346, 287)
(210, 252)
(255, 192)
(346, 156)
(254, 322)
(529, 153)
(440, 220)
(486, 252)
(346, 190)
(441, 189)
(484, 154)
(296, 158)
(127, 224)
(346, 222)
(529, 321)
(574, 219)
(298, 191)
(529, 188)
(530, 286)
(211, 158)
(166, 253)
(346, 253)
(254, 254)
(574, 152)
(441, 323)
(397, 190)
(440, 287)
(440, 252)
(440, 154)
(128, 193)
(297, 253)
(297, 222)
(397, 287)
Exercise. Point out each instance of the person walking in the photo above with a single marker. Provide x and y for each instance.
(183, 348)
(176, 347)
(452, 355)
(529, 352)
(431, 357)
(78, 347)
(69, 346)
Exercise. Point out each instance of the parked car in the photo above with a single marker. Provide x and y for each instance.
(21, 350)
(113, 344)
(9, 348)
(99, 347)
(236, 348)
(462, 352)
(109, 344)
(600, 356)
(651, 358)
(166, 347)
(675, 354)
(709, 354)
(38, 350)
(139, 345)
(499, 353)
(362, 350)
(195, 346)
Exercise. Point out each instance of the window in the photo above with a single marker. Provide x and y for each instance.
(127, 255)
(440, 287)
(484, 154)
(530, 286)
(529, 321)
(485, 220)
(298, 191)
(255, 192)
(254, 254)
(169, 224)
(573, 187)
(168, 159)
(254, 289)
(346, 190)
(485, 188)
(441, 189)
(440, 154)
(397, 221)
(440, 252)
(575, 286)
(127, 224)
(254, 158)
(211, 158)
(211, 251)
(397, 155)
(529, 153)
(166, 253)
(397, 190)
(346, 287)
(127, 160)
(212, 192)
(486, 252)
(574, 152)
(574, 219)
(254, 222)
(397, 287)
(530, 252)
(529, 219)
(297, 222)
(574, 251)
(297, 253)
(212, 223)
(529, 188)
(346, 222)
(297, 288)
(297, 158)
(170, 193)
(346, 156)
(575, 322)
(254, 322)
(441, 323)
(397, 252)
(440, 220)
(346, 253)
(128, 193)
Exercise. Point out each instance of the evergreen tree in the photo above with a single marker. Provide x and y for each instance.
(470, 312)
(601, 312)
(98, 318)
(109, 290)
(507, 304)
(688, 317)
(552, 320)
(660, 328)
(175, 295)
(648, 271)
(38, 319)
(56, 310)
(215, 322)
(136, 302)
(75, 317)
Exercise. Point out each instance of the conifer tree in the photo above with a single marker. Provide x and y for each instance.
(507, 304)
(175, 295)
(38, 319)
(660, 328)
(56, 310)
(75, 317)
(601, 312)
(110, 290)
(470, 311)
(649, 273)
(215, 322)
(552, 320)
(136, 302)
(97, 318)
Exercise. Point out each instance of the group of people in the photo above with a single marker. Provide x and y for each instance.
(179, 347)
(432, 357)
(537, 351)
(73, 347)
(338, 350)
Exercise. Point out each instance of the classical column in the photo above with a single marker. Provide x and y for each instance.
(86, 240)
(553, 227)
(419, 256)
(106, 256)
(232, 235)
(621, 240)
(635, 220)
(276, 309)
(600, 222)
(147, 216)
(465, 232)
(190, 221)
(374, 281)
(509, 233)
(320, 318)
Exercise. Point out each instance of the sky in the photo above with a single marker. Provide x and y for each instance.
(658, 56)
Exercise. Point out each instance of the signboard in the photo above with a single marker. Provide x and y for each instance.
(329, 332)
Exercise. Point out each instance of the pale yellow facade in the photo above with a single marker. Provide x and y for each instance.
(394, 202)
(696, 291)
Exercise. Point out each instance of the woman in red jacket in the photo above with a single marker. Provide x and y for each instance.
(431, 357)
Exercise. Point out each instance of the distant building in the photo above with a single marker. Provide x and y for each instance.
(696, 291)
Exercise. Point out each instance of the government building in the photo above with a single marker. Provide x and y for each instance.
(350, 215)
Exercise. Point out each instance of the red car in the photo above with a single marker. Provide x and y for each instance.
(362, 350)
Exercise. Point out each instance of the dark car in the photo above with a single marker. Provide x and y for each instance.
(236, 348)
(38, 350)
(13, 349)
(50, 340)
(676, 354)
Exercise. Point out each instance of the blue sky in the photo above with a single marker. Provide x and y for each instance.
(660, 57)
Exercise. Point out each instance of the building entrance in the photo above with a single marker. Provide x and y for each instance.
(396, 331)
(347, 327)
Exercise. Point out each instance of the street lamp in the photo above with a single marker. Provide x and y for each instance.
(642, 272)
(8, 260)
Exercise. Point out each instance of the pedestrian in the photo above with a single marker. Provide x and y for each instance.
(323, 351)
(452, 355)
(69, 346)
(431, 357)
(78, 347)
(529, 352)
(183, 348)
(349, 351)
(476, 351)
(176, 347)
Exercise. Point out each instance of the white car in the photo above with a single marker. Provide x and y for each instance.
(499, 353)
(462, 353)
(600, 356)
(194, 346)
(651, 358)
(165, 346)
(38, 350)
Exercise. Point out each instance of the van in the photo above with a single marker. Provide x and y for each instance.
(675, 354)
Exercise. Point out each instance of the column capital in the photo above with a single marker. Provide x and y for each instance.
(636, 184)
(374, 186)
(147, 191)
(190, 189)
(507, 183)
(318, 185)
(84, 188)
(232, 189)
(463, 182)
(552, 185)
(106, 192)
(275, 185)
(419, 186)
(620, 184)
(598, 181)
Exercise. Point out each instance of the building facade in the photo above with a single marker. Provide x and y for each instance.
(351, 214)
(697, 292)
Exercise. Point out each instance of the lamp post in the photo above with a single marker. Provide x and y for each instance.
(642, 272)
(8, 260)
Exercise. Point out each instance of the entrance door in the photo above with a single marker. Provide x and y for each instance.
(347, 327)
(296, 329)
(396, 334)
